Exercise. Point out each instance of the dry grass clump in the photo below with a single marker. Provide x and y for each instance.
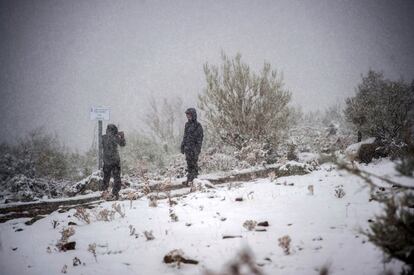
(284, 243)
(82, 215)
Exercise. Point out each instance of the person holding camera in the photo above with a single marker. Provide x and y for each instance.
(111, 159)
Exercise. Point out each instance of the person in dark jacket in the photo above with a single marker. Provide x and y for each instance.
(111, 159)
(191, 144)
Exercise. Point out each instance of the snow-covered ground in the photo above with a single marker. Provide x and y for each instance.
(324, 230)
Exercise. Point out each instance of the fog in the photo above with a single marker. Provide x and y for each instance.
(59, 58)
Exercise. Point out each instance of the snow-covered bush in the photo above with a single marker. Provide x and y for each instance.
(11, 164)
(220, 162)
(249, 224)
(148, 235)
(92, 182)
(82, 214)
(339, 192)
(173, 216)
(382, 108)
(38, 166)
(105, 215)
(66, 233)
(23, 188)
(240, 105)
(393, 231)
(92, 249)
(406, 165)
(142, 155)
(284, 243)
(47, 155)
(118, 209)
(292, 154)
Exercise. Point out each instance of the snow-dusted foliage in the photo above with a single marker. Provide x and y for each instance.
(39, 166)
(406, 164)
(91, 182)
(240, 105)
(382, 108)
(22, 188)
(393, 231)
(142, 155)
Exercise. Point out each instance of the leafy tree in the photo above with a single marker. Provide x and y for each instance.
(381, 108)
(240, 105)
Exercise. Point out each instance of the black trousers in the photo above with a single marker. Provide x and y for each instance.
(115, 170)
(192, 166)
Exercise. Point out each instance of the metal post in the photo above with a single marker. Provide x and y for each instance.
(100, 149)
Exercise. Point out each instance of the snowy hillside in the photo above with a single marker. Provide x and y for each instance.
(314, 220)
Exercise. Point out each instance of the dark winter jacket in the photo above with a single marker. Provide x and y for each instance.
(110, 143)
(193, 134)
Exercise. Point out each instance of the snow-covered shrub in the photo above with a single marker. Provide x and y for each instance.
(249, 225)
(38, 166)
(395, 150)
(92, 182)
(220, 162)
(92, 249)
(173, 216)
(406, 165)
(142, 155)
(22, 188)
(292, 154)
(393, 231)
(284, 243)
(118, 209)
(339, 192)
(381, 108)
(327, 158)
(252, 152)
(316, 138)
(240, 105)
(82, 214)
(152, 201)
(209, 161)
(294, 168)
(66, 233)
(148, 235)
(48, 155)
(11, 164)
(132, 231)
(105, 215)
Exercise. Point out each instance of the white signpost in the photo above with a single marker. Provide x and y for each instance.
(100, 113)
